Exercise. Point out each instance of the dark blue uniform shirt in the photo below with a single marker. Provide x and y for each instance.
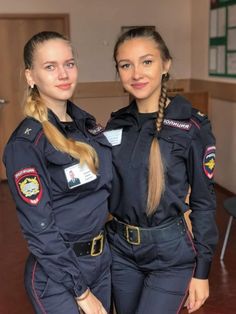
(188, 152)
(50, 212)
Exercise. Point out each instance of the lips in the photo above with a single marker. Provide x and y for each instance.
(139, 85)
(64, 86)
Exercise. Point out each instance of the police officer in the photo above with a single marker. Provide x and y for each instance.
(161, 149)
(69, 265)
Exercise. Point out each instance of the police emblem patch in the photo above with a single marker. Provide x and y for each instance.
(209, 161)
(29, 185)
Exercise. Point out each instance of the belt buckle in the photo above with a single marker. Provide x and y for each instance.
(129, 227)
(100, 238)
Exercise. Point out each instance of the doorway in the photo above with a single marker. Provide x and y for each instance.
(15, 30)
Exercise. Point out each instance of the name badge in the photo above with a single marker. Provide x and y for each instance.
(78, 174)
(114, 137)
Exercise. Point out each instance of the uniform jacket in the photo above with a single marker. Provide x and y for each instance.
(52, 213)
(188, 153)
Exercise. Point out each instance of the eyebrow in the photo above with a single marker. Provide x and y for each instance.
(142, 57)
(54, 62)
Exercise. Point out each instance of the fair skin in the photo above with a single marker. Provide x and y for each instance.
(55, 74)
(140, 68)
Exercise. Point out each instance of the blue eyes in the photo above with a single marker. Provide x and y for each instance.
(70, 65)
(52, 67)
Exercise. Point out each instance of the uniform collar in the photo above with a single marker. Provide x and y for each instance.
(179, 108)
(81, 118)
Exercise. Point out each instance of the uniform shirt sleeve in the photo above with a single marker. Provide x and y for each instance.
(201, 162)
(29, 183)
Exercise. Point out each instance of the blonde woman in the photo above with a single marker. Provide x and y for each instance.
(68, 269)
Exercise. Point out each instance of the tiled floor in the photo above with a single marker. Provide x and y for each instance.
(13, 299)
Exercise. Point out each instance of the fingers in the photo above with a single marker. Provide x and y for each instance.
(193, 303)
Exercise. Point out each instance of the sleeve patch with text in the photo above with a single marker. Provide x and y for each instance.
(29, 185)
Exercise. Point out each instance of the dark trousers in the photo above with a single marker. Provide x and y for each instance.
(152, 277)
(50, 297)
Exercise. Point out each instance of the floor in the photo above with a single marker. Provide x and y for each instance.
(13, 299)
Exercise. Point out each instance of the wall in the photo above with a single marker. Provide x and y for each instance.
(225, 132)
(95, 25)
(222, 109)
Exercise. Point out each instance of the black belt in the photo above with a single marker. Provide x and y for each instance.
(93, 247)
(136, 235)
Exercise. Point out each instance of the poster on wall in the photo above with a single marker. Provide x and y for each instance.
(222, 38)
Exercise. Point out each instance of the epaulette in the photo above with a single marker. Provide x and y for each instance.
(198, 115)
(29, 129)
(121, 111)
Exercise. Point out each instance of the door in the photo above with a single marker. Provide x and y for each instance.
(15, 30)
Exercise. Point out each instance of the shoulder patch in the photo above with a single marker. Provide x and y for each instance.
(177, 124)
(29, 129)
(28, 185)
(198, 115)
(209, 161)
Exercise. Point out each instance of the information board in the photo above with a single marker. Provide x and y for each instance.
(222, 38)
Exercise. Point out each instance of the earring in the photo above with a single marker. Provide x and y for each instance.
(165, 76)
(32, 86)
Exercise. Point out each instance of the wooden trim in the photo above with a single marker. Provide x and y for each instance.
(99, 89)
(64, 16)
(219, 90)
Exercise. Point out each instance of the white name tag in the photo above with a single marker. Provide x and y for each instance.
(78, 175)
(114, 137)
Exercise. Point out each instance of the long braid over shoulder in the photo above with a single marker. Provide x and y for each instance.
(156, 181)
(34, 107)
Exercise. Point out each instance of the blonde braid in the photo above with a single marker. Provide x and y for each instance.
(83, 152)
(156, 179)
(161, 108)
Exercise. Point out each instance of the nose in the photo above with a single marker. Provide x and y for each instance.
(137, 73)
(62, 73)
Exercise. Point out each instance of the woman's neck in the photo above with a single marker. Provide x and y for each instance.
(60, 110)
(147, 106)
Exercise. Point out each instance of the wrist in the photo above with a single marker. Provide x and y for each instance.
(84, 295)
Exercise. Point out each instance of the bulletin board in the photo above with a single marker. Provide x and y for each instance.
(222, 38)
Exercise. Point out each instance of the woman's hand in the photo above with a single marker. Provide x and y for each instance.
(89, 304)
(198, 293)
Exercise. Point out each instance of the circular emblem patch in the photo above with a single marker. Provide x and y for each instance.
(29, 185)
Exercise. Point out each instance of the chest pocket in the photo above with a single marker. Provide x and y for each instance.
(56, 163)
(174, 146)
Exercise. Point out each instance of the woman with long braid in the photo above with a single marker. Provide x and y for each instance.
(68, 269)
(161, 148)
